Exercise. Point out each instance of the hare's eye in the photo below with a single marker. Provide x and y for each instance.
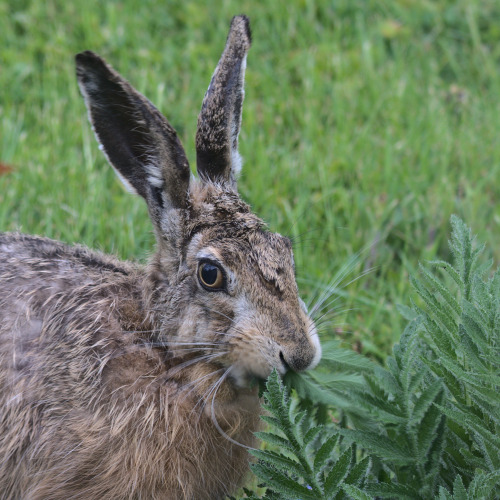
(210, 276)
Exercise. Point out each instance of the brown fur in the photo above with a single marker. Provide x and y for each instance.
(88, 408)
(124, 381)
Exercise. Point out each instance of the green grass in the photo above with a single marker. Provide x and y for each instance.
(366, 124)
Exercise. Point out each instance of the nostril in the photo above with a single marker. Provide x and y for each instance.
(285, 364)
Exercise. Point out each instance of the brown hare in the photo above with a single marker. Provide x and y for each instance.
(119, 380)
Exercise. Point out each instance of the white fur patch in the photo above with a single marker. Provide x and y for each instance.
(236, 159)
(313, 335)
(124, 181)
(155, 176)
(236, 163)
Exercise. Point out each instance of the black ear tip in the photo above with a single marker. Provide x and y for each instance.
(241, 24)
(88, 59)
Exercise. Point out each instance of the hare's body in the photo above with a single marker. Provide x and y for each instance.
(86, 408)
(124, 381)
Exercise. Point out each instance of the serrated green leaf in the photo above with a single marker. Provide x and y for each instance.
(311, 434)
(272, 438)
(391, 490)
(356, 493)
(485, 400)
(483, 485)
(282, 483)
(334, 479)
(381, 446)
(432, 283)
(437, 311)
(380, 408)
(387, 380)
(448, 269)
(409, 335)
(459, 492)
(435, 452)
(279, 461)
(424, 401)
(473, 461)
(407, 312)
(272, 421)
(444, 494)
(415, 380)
(309, 389)
(335, 356)
(359, 472)
(426, 431)
(475, 330)
(339, 380)
(470, 350)
(490, 453)
(471, 422)
(441, 340)
(412, 367)
(298, 421)
(452, 383)
(325, 452)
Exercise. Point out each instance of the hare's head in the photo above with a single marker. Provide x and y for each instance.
(220, 281)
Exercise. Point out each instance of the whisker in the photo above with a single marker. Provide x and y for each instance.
(222, 314)
(189, 362)
(196, 382)
(320, 306)
(333, 312)
(338, 279)
(214, 418)
(181, 347)
(331, 289)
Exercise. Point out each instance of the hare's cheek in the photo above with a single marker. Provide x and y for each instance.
(249, 359)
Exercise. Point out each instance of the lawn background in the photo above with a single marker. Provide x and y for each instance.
(366, 125)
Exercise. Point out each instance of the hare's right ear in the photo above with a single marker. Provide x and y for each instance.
(137, 140)
(217, 157)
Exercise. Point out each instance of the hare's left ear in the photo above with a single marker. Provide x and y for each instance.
(219, 121)
(137, 140)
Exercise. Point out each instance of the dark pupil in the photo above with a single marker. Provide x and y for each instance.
(209, 274)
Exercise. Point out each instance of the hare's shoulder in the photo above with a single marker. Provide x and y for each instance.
(42, 279)
(70, 294)
(33, 257)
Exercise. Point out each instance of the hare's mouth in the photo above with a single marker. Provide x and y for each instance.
(245, 374)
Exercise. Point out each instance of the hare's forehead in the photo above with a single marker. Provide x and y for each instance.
(269, 252)
(272, 254)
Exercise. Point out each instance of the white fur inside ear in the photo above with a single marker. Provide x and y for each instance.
(155, 177)
(124, 181)
(236, 163)
(236, 159)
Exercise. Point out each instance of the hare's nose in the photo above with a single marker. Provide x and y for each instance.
(297, 362)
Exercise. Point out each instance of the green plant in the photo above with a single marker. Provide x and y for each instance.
(428, 423)
(313, 462)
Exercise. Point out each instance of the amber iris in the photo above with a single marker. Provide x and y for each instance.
(210, 276)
